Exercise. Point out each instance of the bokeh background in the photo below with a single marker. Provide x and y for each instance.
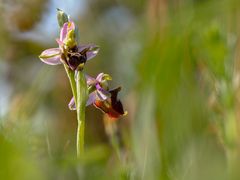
(178, 63)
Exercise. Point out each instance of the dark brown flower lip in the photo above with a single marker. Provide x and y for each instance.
(107, 109)
(75, 59)
(116, 103)
(113, 106)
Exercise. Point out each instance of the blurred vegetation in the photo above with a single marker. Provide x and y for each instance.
(178, 62)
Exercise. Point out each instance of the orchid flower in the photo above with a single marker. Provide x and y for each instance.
(101, 97)
(68, 52)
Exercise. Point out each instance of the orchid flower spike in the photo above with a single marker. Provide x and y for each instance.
(101, 97)
(86, 90)
(69, 52)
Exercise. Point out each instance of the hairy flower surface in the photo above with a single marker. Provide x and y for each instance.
(101, 97)
(112, 106)
(69, 52)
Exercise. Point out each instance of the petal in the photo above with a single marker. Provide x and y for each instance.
(51, 56)
(91, 98)
(60, 43)
(99, 77)
(83, 47)
(72, 105)
(63, 32)
(102, 93)
(103, 77)
(90, 80)
(92, 53)
(92, 50)
(68, 26)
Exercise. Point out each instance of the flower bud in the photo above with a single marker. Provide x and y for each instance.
(61, 17)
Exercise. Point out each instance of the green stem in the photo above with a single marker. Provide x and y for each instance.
(82, 95)
(71, 78)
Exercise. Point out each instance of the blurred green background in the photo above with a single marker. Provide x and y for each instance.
(178, 63)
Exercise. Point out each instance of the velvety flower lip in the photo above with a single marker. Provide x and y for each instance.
(68, 52)
(112, 106)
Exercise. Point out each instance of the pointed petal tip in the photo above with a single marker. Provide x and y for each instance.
(101, 77)
(91, 98)
(107, 77)
(71, 105)
(60, 43)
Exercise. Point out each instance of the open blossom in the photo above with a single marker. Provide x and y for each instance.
(69, 52)
(101, 97)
